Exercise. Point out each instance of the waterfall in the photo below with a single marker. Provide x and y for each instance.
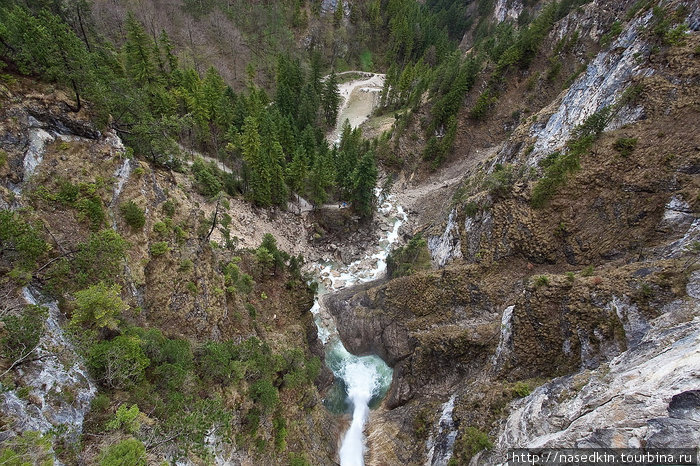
(362, 379)
(58, 381)
(506, 333)
(122, 175)
(441, 445)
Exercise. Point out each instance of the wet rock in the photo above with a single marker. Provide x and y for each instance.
(446, 246)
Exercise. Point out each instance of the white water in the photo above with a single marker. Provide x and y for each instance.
(365, 378)
(58, 381)
(441, 445)
(122, 175)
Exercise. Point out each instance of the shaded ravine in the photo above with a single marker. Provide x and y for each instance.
(361, 381)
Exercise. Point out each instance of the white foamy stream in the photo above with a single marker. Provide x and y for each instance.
(365, 378)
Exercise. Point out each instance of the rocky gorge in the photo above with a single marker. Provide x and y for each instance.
(570, 320)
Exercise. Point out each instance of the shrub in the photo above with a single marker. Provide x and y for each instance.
(265, 393)
(119, 363)
(186, 266)
(161, 228)
(541, 280)
(297, 459)
(207, 181)
(521, 389)
(677, 35)
(251, 310)
(128, 452)
(97, 259)
(90, 208)
(218, 362)
(264, 258)
(98, 306)
(615, 30)
(22, 332)
(169, 208)
(20, 242)
(472, 441)
(159, 248)
(500, 181)
(126, 419)
(410, 258)
(625, 146)
(134, 216)
(471, 209)
(100, 403)
(31, 448)
(588, 271)
(482, 105)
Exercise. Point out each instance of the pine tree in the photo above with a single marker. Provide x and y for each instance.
(330, 99)
(259, 175)
(364, 180)
(338, 13)
(278, 188)
(138, 49)
(290, 82)
(308, 107)
(321, 178)
(296, 171)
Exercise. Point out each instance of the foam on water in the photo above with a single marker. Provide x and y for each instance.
(364, 379)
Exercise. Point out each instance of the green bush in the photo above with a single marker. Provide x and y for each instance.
(159, 248)
(119, 363)
(500, 182)
(126, 419)
(22, 332)
(588, 271)
(473, 440)
(625, 146)
(186, 265)
(265, 393)
(161, 228)
(128, 452)
(134, 216)
(471, 209)
(219, 362)
(541, 280)
(90, 208)
(206, 176)
(100, 403)
(521, 389)
(558, 166)
(98, 259)
(615, 30)
(245, 284)
(98, 306)
(483, 104)
(30, 448)
(409, 259)
(20, 242)
(677, 36)
(297, 459)
(169, 208)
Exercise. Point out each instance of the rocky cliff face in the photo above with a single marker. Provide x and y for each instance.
(181, 291)
(572, 324)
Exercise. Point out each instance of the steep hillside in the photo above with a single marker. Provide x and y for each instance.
(169, 294)
(208, 335)
(565, 222)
